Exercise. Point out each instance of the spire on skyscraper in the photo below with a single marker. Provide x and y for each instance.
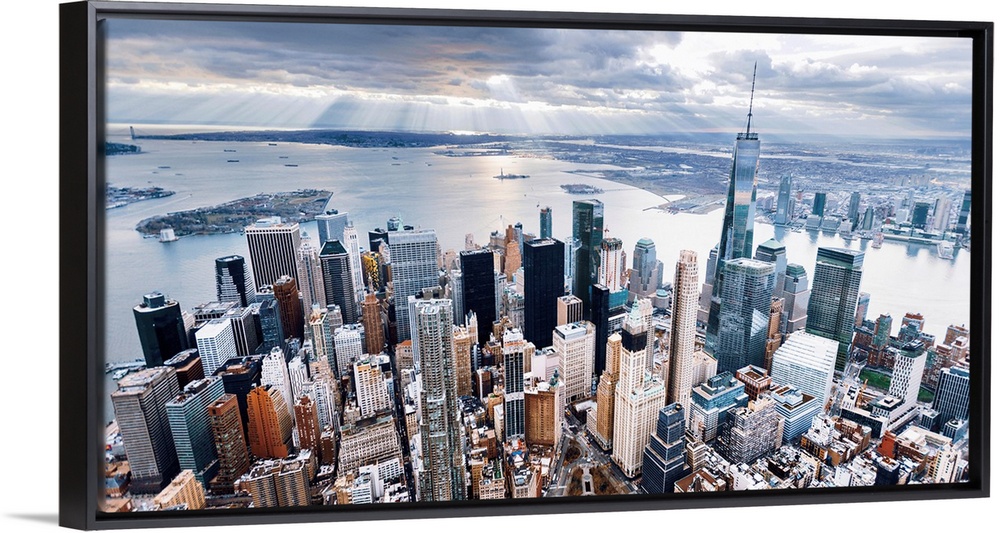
(753, 84)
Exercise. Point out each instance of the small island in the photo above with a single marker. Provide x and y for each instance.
(122, 196)
(111, 148)
(581, 188)
(231, 217)
(502, 176)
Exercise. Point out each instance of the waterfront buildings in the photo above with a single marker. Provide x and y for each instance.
(783, 214)
(834, 298)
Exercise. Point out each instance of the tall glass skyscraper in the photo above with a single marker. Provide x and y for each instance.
(330, 225)
(545, 223)
(834, 298)
(783, 215)
(479, 288)
(772, 251)
(232, 280)
(543, 285)
(413, 256)
(952, 396)
(647, 271)
(161, 328)
(588, 229)
(744, 311)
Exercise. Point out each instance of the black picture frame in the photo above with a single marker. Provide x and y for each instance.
(80, 247)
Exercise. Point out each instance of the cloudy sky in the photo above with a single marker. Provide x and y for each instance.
(532, 81)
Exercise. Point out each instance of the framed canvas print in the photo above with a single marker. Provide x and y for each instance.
(323, 264)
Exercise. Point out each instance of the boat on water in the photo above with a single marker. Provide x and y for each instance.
(946, 250)
(229, 150)
(232, 161)
(290, 165)
(502, 176)
(167, 235)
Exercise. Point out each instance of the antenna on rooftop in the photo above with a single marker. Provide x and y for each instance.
(753, 84)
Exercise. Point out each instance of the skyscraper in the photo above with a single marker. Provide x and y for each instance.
(772, 251)
(751, 432)
(796, 297)
(834, 299)
(588, 228)
(371, 317)
(270, 427)
(352, 244)
(744, 304)
(239, 377)
(711, 402)
(413, 257)
(286, 292)
(478, 288)
(647, 271)
(191, 428)
(819, 204)
(612, 271)
(161, 328)
(337, 279)
(806, 361)
(683, 321)
(545, 223)
(942, 214)
(230, 446)
(442, 476)
(543, 285)
(274, 247)
(216, 344)
(574, 342)
(274, 372)
(330, 225)
(604, 417)
(663, 459)
(140, 409)
(963, 214)
(370, 388)
(569, 308)
(232, 280)
(310, 278)
(516, 350)
(854, 208)
(952, 396)
(638, 397)
(783, 215)
(307, 425)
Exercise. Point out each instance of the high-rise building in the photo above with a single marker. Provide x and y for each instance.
(543, 408)
(663, 459)
(602, 429)
(711, 402)
(834, 298)
(269, 315)
(274, 247)
(310, 278)
(904, 387)
(854, 208)
(338, 281)
(352, 244)
(349, 347)
(464, 341)
(775, 335)
(796, 409)
(516, 350)
(216, 344)
(233, 282)
(140, 409)
(478, 288)
(920, 214)
(191, 428)
(744, 305)
(942, 214)
(286, 293)
(413, 257)
(274, 372)
(270, 427)
(772, 251)
(543, 285)
(751, 432)
(331, 224)
(442, 472)
(230, 445)
(783, 214)
(370, 388)
(545, 223)
(806, 361)
(868, 222)
(639, 396)
(736, 240)
(600, 316)
(574, 342)
(612, 271)
(683, 323)
(187, 364)
(161, 328)
(963, 214)
(569, 308)
(371, 317)
(184, 492)
(647, 271)
(819, 204)
(244, 326)
(952, 396)
(588, 229)
(307, 425)
(796, 297)
(280, 482)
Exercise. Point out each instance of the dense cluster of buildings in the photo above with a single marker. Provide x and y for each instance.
(394, 371)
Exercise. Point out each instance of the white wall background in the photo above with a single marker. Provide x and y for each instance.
(29, 236)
